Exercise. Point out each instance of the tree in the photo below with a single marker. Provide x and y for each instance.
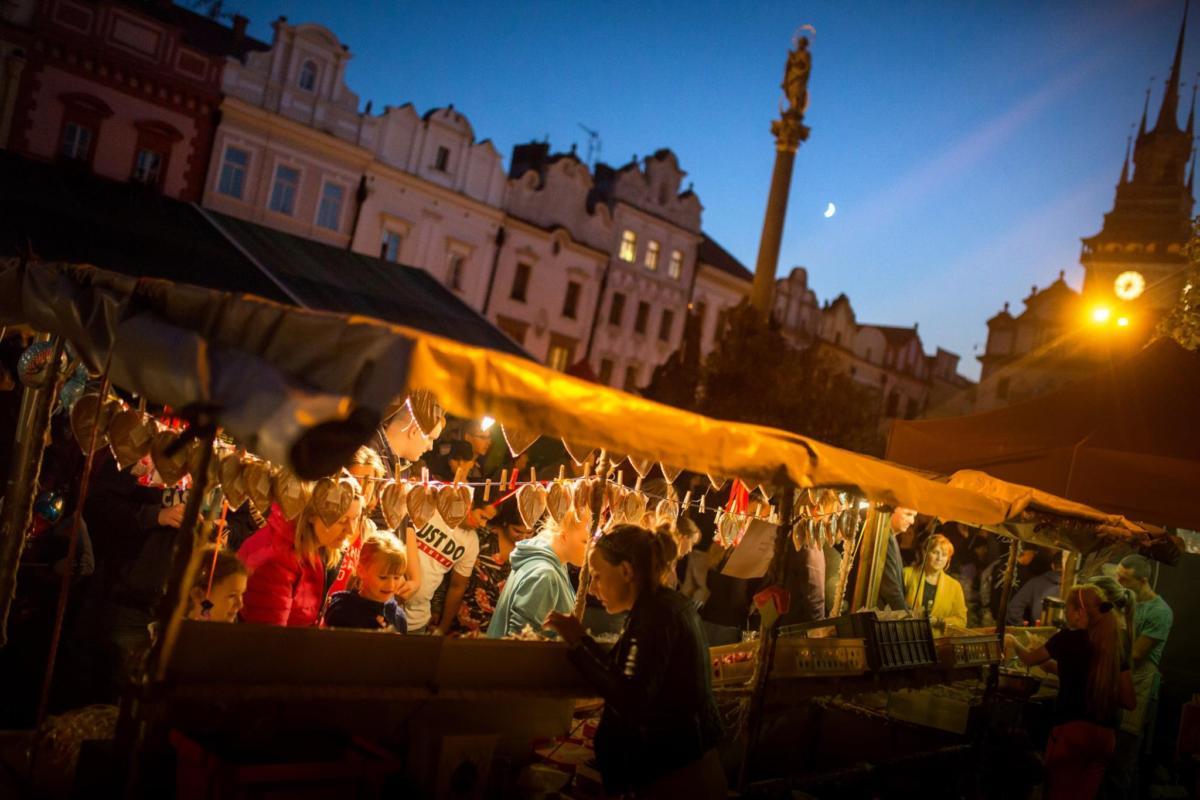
(1183, 322)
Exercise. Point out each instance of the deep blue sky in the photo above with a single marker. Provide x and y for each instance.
(968, 145)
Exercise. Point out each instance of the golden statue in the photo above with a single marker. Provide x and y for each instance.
(795, 76)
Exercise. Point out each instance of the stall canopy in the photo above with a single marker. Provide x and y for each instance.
(57, 214)
(1125, 440)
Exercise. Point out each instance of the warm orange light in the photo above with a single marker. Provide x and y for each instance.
(1101, 314)
(1123, 322)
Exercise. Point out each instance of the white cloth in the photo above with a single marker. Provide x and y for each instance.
(440, 550)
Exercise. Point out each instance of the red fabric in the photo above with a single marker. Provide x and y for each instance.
(1076, 757)
(283, 589)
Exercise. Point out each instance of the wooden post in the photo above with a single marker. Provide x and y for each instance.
(872, 555)
(849, 551)
(1006, 586)
(777, 573)
(603, 467)
(1070, 562)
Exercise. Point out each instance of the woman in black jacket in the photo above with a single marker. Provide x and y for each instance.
(660, 726)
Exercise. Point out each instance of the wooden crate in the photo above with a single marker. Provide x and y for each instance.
(968, 651)
(733, 663)
(798, 656)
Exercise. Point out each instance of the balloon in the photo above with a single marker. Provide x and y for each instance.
(34, 367)
(73, 388)
(49, 506)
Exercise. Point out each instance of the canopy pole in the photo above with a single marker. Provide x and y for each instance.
(849, 551)
(64, 590)
(29, 444)
(603, 467)
(1070, 562)
(1006, 585)
(873, 549)
(767, 637)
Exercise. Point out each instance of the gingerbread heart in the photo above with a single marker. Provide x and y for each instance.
(130, 434)
(257, 477)
(518, 441)
(84, 418)
(291, 493)
(641, 466)
(728, 528)
(331, 499)
(454, 504)
(531, 502)
(233, 483)
(421, 504)
(391, 502)
(577, 452)
(171, 468)
(427, 411)
(667, 512)
(670, 473)
(558, 501)
(195, 453)
(584, 488)
(634, 507)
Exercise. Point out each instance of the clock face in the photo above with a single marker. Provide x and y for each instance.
(1129, 285)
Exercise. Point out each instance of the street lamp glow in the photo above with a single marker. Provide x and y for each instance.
(1101, 314)
(1123, 322)
(486, 424)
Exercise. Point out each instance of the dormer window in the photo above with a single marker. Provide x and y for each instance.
(675, 268)
(308, 76)
(652, 251)
(441, 161)
(628, 246)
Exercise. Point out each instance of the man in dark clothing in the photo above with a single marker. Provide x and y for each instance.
(891, 585)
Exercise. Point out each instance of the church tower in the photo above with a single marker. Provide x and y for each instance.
(1135, 264)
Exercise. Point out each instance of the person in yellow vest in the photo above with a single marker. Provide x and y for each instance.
(928, 588)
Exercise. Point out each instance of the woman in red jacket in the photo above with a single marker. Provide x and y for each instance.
(289, 562)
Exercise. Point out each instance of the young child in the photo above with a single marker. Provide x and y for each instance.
(373, 605)
(223, 601)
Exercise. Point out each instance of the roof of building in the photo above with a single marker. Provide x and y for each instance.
(896, 336)
(63, 215)
(201, 31)
(713, 254)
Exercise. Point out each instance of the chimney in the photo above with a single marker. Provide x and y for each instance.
(239, 28)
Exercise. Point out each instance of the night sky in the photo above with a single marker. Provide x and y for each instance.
(968, 145)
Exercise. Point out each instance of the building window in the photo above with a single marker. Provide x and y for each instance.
(643, 316)
(652, 249)
(606, 371)
(233, 172)
(631, 377)
(561, 352)
(76, 142)
(1002, 389)
(665, 326)
(628, 246)
(283, 192)
(520, 286)
(616, 311)
(570, 308)
(329, 215)
(675, 268)
(441, 161)
(454, 275)
(308, 76)
(147, 167)
(389, 250)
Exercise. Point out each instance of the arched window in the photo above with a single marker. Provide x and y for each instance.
(308, 76)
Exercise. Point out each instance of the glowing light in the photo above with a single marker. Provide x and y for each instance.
(1129, 285)
(830, 210)
(1101, 314)
(486, 424)
(1123, 322)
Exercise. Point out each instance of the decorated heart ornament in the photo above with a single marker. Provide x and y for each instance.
(195, 454)
(84, 418)
(421, 504)
(634, 507)
(289, 492)
(558, 501)
(233, 484)
(518, 441)
(332, 498)
(130, 434)
(171, 468)
(531, 503)
(454, 504)
(728, 528)
(667, 511)
(391, 502)
(257, 477)
(584, 488)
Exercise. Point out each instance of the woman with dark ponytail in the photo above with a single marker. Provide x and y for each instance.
(660, 727)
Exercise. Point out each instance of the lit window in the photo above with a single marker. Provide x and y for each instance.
(147, 167)
(628, 246)
(652, 249)
(390, 248)
(454, 275)
(616, 311)
(558, 358)
(283, 193)
(520, 286)
(441, 162)
(631, 377)
(665, 326)
(308, 76)
(329, 215)
(642, 317)
(675, 268)
(233, 172)
(606, 371)
(76, 142)
(570, 308)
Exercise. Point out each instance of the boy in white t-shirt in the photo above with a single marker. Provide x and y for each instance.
(441, 550)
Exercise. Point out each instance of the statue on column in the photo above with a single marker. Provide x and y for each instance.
(795, 76)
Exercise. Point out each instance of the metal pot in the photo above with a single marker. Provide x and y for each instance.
(1054, 612)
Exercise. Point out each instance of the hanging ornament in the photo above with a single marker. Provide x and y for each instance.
(584, 488)
(558, 500)
(518, 441)
(257, 477)
(391, 502)
(35, 368)
(84, 418)
(427, 411)
(635, 507)
(73, 388)
(289, 492)
(421, 504)
(454, 504)
(170, 461)
(130, 434)
(49, 506)
(233, 483)
(531, 503)
(666, 512)
(578, 453)
(728, 528)
(798, 535)
(332, 498)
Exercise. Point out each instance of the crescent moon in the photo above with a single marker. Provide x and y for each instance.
(830, 210)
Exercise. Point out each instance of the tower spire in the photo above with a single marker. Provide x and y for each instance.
(1145, 110)
(1192, 174)
(1125, 166)
(1167, 113)
(1192, 110)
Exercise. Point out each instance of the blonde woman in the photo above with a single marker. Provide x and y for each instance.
(928, 589)
(538, 583)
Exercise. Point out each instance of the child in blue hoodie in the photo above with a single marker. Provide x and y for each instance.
(538, 583)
